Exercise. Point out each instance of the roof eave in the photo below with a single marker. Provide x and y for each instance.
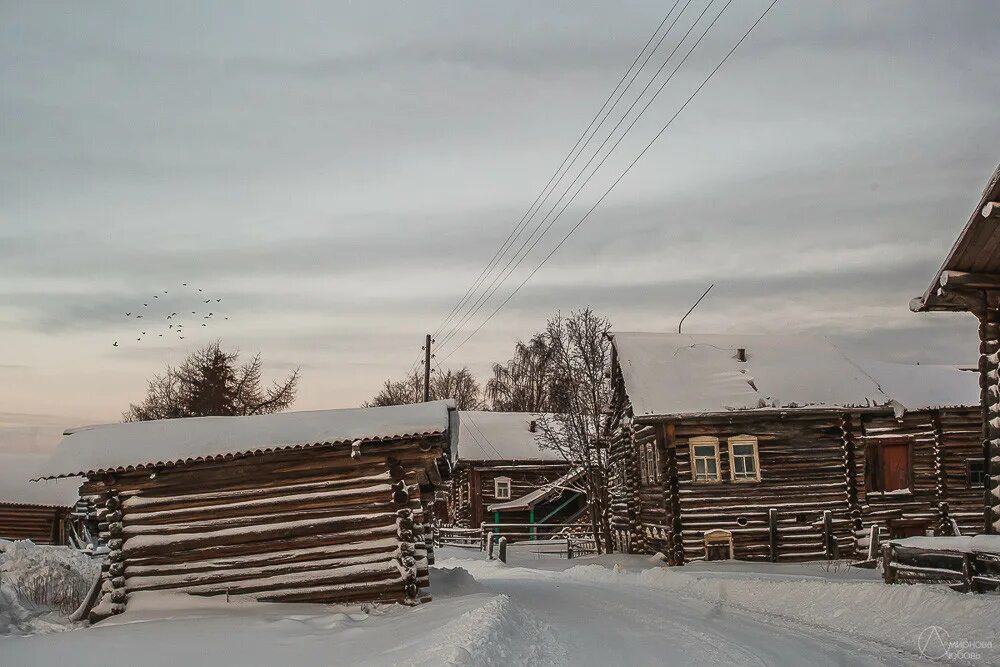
(759, 412)
(228, 456)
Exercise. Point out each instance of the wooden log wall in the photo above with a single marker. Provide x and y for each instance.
(621, 461)
(802, 476)
(459, 498)
(39, 523)
(313, 525)
(647, 495)
(942, 443)
(961, 440)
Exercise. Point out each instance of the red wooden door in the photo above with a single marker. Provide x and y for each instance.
(895, 466)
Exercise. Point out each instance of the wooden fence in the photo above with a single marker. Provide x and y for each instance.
(965, 571)
(457, 537)
(562, 540)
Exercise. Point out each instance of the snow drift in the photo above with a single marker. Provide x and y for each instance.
(40, 586)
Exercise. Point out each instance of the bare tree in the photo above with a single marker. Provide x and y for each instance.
(212, 381)
(530, 380)
(582, 358)
(460, 386)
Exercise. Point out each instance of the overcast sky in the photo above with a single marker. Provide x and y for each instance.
(338, 174)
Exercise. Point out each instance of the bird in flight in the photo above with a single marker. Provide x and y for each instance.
(199, 289)
(143, 333)
(203, 324)
(156, 296)
(115, 345)
(128, 314)
(207, 300)
(184, 284)
(182, 337)
(165, 292)
(138, 317)
(146, 304)
(218, 300)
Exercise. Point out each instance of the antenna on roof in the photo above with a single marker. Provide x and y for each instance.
(679, 324)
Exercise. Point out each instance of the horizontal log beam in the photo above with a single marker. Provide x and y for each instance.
(962, 279)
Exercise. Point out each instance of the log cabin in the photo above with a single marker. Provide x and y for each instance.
(320, 506)
(775, 447)
(38, 511)
(969, 281)
(502, 474)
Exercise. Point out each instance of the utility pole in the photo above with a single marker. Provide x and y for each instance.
(427, 368)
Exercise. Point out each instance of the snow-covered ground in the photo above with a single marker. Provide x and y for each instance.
(592, 611)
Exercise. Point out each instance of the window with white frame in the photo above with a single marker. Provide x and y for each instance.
(744, 461)
(501, 488)
(704, 458)
(648, 463)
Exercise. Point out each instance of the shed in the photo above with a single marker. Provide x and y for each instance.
(37, 511)
(319, 506)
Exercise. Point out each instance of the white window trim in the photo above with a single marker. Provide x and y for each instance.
(701, 441)
(497, 481)
(744, 440)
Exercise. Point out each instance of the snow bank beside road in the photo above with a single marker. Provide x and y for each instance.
(40, 586)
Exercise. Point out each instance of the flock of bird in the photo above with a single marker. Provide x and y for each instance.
(178, 322)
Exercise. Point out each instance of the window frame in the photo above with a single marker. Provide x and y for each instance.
(744, 440)
(497, 481)
(648, 464)
(704, 441)
(874, 463)
(643, 471)
(968, 472)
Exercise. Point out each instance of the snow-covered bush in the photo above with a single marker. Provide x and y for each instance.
(40, 585)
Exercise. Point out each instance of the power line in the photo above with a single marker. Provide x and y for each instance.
(622, 175)
(542, 196)
(508, 273)
(584, 139)
(517, 258)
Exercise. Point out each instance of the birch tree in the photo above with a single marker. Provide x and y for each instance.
(581, 357)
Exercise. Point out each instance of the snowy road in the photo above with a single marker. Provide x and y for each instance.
(611, 610)
(601, 624)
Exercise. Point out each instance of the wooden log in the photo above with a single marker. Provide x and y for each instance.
(772, 516)
(151, 545)
(261, 571)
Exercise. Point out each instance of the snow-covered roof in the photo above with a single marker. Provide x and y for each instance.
(499, 436)
(16, 487)
(92, 449)
(692, 374)
(529, 500)
(926, 386)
